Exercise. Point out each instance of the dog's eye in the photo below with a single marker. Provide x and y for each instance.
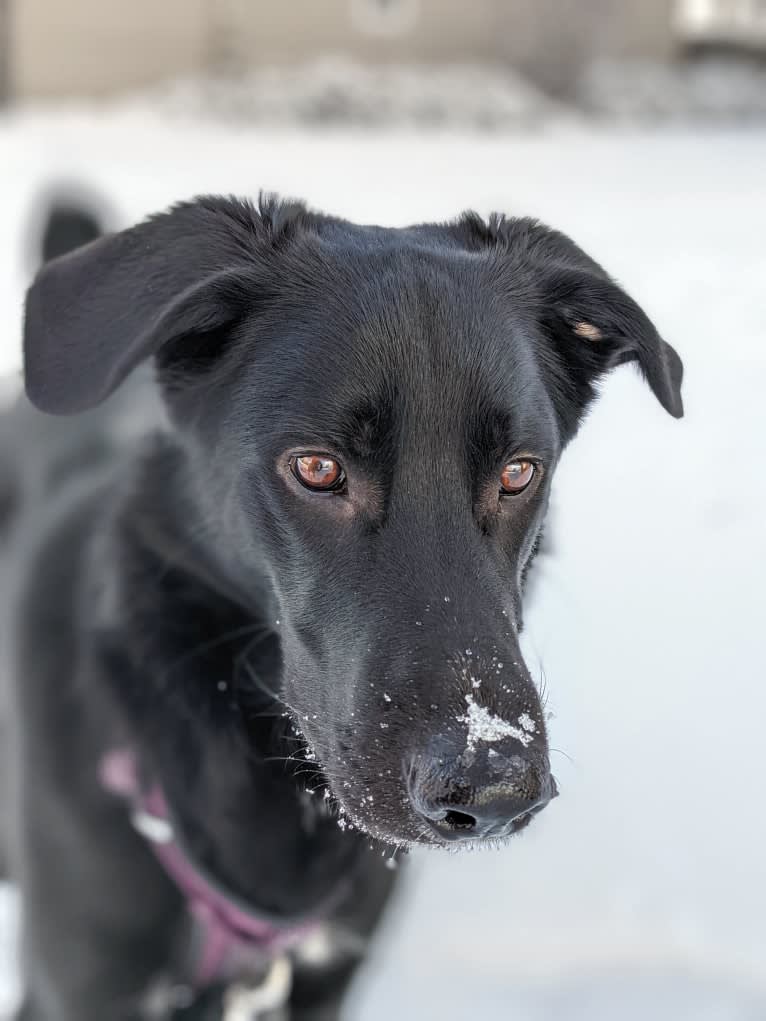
(315, 471)
(516, 476)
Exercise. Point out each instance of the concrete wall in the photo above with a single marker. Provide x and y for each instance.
(5, 44)
(379, 30)
(64, 47)
(551, 40)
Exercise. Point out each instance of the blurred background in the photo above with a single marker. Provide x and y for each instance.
(639, 128)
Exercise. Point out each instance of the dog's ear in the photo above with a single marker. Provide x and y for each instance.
(93, 315)
(594, 325)
(590, 323)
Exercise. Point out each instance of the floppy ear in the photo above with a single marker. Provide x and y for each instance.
(594, 326)
(93, 315)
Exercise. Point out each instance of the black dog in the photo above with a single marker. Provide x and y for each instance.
(285, 625)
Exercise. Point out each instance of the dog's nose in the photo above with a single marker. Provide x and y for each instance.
(480, 801)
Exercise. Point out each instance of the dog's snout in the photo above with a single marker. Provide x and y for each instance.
(460, 802)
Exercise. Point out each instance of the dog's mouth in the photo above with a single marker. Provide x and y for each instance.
(454, 831)
(397, 807)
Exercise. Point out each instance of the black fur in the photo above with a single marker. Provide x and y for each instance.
(186, 594)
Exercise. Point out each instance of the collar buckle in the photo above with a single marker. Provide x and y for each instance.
(244, 1002)
(152, 827)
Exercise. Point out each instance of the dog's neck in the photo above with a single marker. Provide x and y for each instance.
(196, 671)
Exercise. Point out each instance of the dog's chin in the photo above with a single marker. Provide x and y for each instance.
(395, 833)
(386, 831)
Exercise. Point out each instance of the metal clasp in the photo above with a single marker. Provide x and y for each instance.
(250, 1003)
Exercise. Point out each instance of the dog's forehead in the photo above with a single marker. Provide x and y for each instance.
(404, 334)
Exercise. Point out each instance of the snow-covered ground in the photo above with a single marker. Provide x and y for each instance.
(640, 893)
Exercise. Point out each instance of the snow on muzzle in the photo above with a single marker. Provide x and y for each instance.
(483, 778)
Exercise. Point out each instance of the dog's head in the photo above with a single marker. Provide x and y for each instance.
(374, 417)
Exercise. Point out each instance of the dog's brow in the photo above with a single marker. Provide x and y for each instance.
(369, 436)
(369, 428)
(502, 432)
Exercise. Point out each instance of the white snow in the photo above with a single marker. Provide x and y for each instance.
(640, 891)
(484, 725)
(527, 723)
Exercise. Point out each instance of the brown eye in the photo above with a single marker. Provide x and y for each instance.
(318, 472)
(516, 476)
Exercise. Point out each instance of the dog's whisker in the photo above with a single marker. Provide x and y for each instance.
(208, 646)
(560, 751)
(259, 683)
(284, 758)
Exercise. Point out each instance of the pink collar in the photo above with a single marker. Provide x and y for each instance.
(233, 939)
